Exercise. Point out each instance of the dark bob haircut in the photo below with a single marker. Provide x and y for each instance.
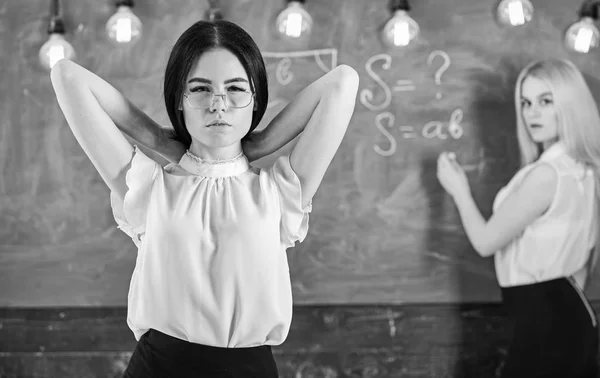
(201, 37)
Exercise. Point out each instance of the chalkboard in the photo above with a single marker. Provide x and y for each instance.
(382, 229)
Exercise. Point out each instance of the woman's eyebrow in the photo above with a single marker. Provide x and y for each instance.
(199, 80)
(206, 81)
(236, 79)
(523, 97)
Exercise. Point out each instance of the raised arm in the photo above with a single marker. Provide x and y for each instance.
(290, 122)
(328, 106)
(523, 206)
(125, 115)
(91, 106)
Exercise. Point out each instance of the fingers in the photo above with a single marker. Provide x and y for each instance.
(449, 158)
(445, 160)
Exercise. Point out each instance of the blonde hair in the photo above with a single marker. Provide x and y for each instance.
(578, 120)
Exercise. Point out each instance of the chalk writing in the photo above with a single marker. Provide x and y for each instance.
(283, 74)
(390, 123)
(441, 69)
(404, 85)
(480, 165)
(366, 95)
(433, 129)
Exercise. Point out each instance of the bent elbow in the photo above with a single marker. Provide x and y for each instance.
(347, 79)
(62, 72)
(483, 249)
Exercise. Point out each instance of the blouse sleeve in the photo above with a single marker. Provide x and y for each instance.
(130, 212)
(294, 217)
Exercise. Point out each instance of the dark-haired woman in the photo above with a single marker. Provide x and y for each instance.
(211, 292)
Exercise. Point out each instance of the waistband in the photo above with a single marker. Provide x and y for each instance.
(537, 287)
(178, 348)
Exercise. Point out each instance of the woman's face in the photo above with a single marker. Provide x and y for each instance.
(218, 121)
(537, 108)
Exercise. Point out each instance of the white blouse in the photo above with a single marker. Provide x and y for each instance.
(558, 243)
(211, 266)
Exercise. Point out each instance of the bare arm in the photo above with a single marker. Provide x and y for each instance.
(290, 122)
(131, 120)
(86, 101)
(332, 98)
(516, 212)
(141, 128)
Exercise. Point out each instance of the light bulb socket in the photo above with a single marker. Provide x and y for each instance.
(56, 25)
(590, 9)
(214, 14)
(396, 5)
(124, 3)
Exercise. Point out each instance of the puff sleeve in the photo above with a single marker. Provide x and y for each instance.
(294, 217)
(130, 212)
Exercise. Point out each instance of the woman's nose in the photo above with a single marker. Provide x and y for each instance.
(532, 112)
(219, 103)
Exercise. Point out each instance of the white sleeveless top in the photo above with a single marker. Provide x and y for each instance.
(211, 266)
(558, 243)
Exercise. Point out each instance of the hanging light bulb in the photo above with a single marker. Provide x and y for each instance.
(56, 47)
(401, 29)
(583, 35)
(124, 27)
(294, 21)
(515, 12)
(214, 11)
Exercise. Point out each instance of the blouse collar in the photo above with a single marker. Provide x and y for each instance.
(221, 168)
(555, 150)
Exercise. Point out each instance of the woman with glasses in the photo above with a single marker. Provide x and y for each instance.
(210, 292)
(543, 232)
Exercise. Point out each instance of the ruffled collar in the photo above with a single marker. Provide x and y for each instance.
(221, 168)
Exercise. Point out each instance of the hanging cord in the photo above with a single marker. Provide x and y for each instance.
(55, 25)
(214, 11)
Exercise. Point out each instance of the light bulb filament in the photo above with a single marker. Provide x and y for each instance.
(55, 53)
(401, 33)
(516, 13)
(583, 40)
(293, 25)
(123, 29)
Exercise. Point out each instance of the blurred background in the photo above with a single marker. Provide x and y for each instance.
(386, 283)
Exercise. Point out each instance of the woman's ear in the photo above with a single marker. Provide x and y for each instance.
(255, 106)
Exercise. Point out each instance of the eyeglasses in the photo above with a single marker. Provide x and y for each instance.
(233, 99)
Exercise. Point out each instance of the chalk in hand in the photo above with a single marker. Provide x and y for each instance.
(452, 155)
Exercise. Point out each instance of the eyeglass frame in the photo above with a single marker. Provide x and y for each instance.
(224, 97)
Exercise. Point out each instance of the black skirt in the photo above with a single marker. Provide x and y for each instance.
(158, 355)
(554, 331)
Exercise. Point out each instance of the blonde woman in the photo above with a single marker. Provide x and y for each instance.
(543, 232)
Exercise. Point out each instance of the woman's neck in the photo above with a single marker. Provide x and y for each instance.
(547, 144)
(209, 154)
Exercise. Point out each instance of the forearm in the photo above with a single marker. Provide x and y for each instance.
(292, 120)
(324, 132)
(474, 223)
(128, 118)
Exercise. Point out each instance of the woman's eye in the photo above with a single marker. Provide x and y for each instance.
(524, 103)
(200, 89)
(546, 101)
(236, 89)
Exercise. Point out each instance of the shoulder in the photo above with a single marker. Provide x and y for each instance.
(543, 173)
(540, 182)
(175, 170)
